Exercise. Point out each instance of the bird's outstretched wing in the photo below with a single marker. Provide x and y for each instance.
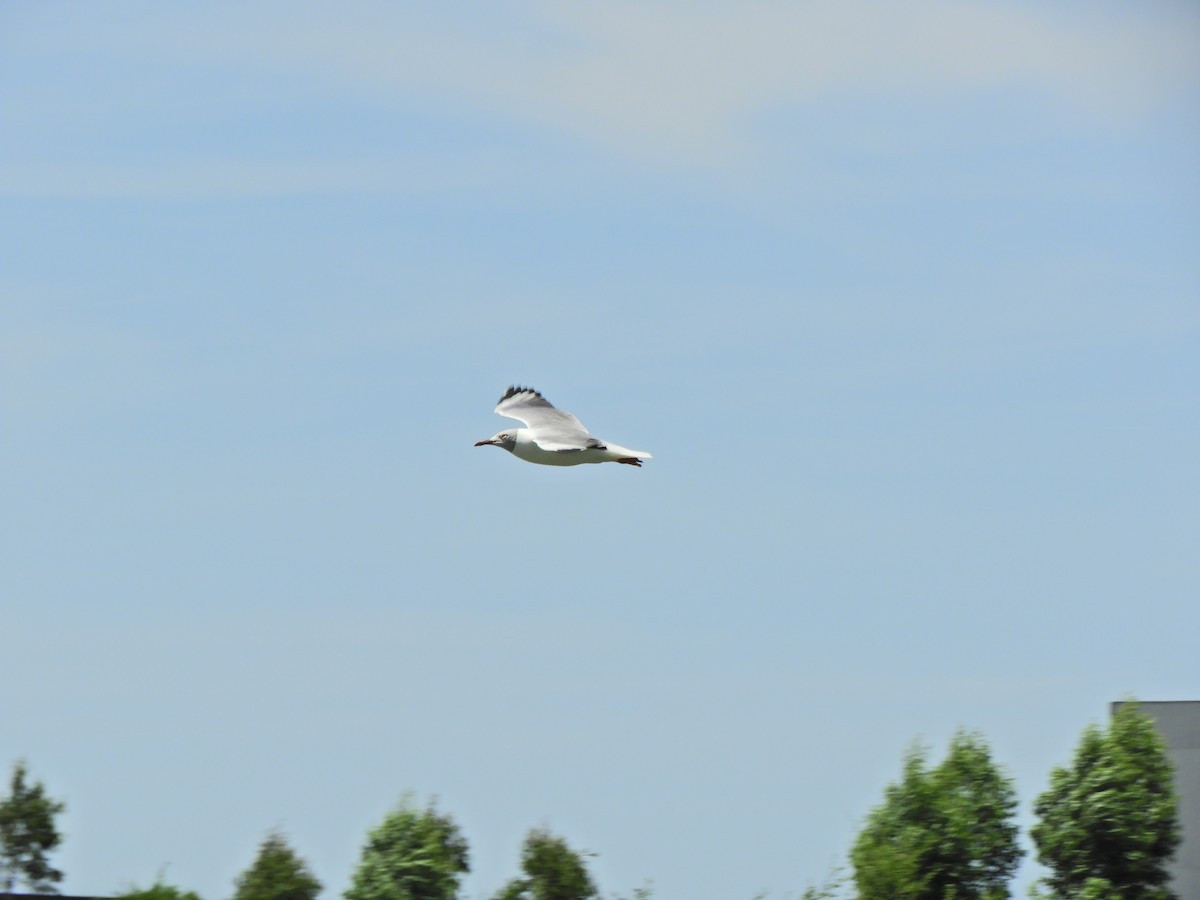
(551, 428)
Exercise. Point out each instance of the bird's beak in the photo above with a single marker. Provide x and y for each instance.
(482, 443)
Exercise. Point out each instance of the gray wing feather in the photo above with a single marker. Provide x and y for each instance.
(552, 428)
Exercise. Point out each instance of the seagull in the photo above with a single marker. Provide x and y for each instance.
(554, 437)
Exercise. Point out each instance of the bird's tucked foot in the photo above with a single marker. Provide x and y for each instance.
(630, 461)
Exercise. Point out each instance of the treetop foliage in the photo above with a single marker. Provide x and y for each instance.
(157, 891)
(1108, 825)
(414, 854)
(277, 873)
(942, 831)
(28, 834)
(553, 871)
(1106, 829)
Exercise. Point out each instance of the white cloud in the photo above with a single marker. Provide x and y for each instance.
(670, 83)
(683, 80)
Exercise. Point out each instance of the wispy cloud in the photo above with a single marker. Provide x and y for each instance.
(687, 81)
(677, 83)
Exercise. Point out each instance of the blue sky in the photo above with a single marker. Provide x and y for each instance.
(904, 300)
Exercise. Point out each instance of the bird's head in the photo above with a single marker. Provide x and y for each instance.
(505, 439)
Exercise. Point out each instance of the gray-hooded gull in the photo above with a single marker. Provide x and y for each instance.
(554, 437)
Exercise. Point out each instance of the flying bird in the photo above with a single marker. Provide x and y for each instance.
(554, 437)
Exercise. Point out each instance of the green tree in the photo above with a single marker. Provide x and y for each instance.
(942, 832)
(277, 873)
(27, 835)
(553, 871)
(1108, 825)
(414, 854)
(157, 891)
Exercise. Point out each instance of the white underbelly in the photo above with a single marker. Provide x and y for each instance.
(531, 452)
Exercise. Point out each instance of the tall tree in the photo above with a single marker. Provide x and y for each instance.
(1109, 823)
(414, 854)
(941, 832)
(27, 835)
(277, 873)
(553, 871)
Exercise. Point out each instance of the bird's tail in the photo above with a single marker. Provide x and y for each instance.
(624, 451)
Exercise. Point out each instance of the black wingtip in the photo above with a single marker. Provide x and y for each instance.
(514, 389)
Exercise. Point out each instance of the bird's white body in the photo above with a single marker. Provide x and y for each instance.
(554, 437)
(528, 449)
